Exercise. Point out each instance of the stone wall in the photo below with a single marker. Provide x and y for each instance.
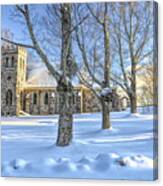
(8, 81)
(90, 102)
(13, 76)
(40, 107)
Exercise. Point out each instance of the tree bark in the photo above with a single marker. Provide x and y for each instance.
(106, 124)
(107, 61)
(133, 93)
(133, 96)
(65, 92)
(133, 104)
(64, 88)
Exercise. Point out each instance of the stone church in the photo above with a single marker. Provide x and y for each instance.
(36, 95)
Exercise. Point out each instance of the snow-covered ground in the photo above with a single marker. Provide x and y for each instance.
(124, 152)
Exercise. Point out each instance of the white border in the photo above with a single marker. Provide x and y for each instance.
(71, 182)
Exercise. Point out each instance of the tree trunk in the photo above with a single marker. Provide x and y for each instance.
(106, 124)
(133, 103)
(133, 96)
(65, 92)
(65, 89)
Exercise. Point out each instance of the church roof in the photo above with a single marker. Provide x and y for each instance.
(40, 77)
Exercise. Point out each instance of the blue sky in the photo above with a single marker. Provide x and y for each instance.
(8, 23)
(16, 28)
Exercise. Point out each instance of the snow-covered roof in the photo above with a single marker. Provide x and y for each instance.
(40, 76)
(106, 91)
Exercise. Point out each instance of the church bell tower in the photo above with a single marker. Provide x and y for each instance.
(13, 77)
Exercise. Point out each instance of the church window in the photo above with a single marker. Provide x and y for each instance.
(74, 98)
(9, 98)
(53, 94)
(12, 61)
(34, 98)
(46, 99)
(9, 78)
(7, 61)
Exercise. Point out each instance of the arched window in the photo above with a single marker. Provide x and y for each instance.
(12, 61)
(34, 98)
(20, 63)
(9, 98)
(21, 98)
(46, 99)
(9, 78)
(74, 98)
(7, 62)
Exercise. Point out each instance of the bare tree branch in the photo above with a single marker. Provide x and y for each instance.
(88, 85)
(145, 55)
(84, 56)
(94, 15)
(25, 13)
(16, 43)
(79, 23)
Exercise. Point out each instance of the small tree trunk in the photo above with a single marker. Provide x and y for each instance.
(106, 124)
(66, 113)
(133, 103)
(133, 96)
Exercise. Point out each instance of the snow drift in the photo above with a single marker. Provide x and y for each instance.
(124, 152)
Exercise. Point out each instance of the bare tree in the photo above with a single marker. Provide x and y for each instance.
(61, 15)
(131, 32)
(98, 17)
(63, 77)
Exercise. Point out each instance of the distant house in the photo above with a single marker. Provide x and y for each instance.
(144, 85)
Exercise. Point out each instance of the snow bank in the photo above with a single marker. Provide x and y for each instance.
(49, 162)
(103, 162)
(18, 163)
(85, 160)
(135, 161)
(65, 165)
(9, 168)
